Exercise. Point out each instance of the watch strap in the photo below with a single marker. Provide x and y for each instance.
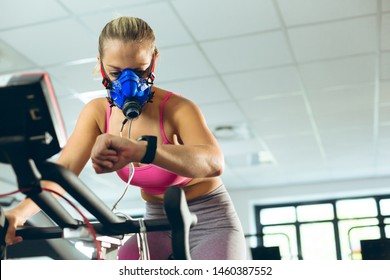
(151, 148)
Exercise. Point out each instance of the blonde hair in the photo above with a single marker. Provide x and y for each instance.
(127, 29)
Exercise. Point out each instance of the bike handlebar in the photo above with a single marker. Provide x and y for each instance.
(179, 218)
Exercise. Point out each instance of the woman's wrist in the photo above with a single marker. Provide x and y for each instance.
(151, 148)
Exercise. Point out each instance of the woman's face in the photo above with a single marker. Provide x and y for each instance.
(119, 56)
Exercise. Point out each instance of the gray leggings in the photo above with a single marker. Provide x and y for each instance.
(218, 234)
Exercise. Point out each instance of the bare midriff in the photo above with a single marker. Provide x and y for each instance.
(194, 189)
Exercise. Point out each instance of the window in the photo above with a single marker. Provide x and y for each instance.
(323, 230)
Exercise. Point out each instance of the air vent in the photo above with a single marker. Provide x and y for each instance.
(232, 132)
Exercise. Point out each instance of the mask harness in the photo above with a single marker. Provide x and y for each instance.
(129, 92)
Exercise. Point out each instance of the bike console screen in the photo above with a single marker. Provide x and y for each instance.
(30, 119)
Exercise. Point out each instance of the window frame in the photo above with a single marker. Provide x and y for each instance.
(335, 221)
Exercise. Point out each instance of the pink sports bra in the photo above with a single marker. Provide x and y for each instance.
(151, 178)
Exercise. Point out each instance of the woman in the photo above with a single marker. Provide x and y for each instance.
(174, 147)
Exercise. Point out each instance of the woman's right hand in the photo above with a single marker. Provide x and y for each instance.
(14, 220)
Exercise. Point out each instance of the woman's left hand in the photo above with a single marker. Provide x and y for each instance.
(111, 153)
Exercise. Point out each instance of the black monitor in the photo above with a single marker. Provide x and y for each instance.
(377, 249)
(30, 118)
(266, 253)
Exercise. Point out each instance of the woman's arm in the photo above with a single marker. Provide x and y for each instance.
(198, 156)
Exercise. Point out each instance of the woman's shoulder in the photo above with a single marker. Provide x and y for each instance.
(97, 105)
(173, 99)
(99, 101)
(95, 111)
(177, 105)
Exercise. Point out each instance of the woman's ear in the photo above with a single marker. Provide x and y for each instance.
(96, 69)
(156, 54)
(151, 76)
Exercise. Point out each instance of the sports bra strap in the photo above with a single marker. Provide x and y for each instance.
(165, 139)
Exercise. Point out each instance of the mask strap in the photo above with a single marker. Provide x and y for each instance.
(106, 81)
(151, 75)
(107, 84)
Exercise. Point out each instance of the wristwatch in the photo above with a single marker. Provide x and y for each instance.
(150, 148)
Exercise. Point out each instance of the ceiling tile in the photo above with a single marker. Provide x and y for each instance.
(19, 13)
(340, 73)
(297, 12)
(248, 53)
(263, 176)
(308, 176)
(344, 120)
(53, 42)
(168, 29)
(337, 141)
(264, 83)
(241, 147)
(385, 5)
(384, 97)
(77, 78)
(182, 63)
(385, 36)
(201, 91)
(384, 133)
(60, 89)
(293, 144)
(92, 6)
(222, 113)
(281, 127)
(258, 172)
(96, 21)
(299, 158)
(385, 65)
(299, 163)
(274, 108)
(296, 152)
(354, 157)
(357, 99)
(232, 18)
(356, 36)
(384, 114)
(11, 61)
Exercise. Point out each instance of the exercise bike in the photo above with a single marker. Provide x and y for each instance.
(36, 135)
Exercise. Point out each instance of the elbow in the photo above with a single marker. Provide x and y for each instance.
(217, 166)
(217, 173)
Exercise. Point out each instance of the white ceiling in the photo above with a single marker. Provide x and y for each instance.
(308, 82)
